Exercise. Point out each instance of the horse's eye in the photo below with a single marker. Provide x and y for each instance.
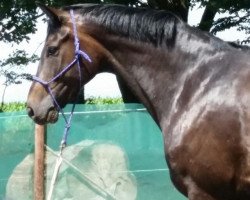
(52, 50)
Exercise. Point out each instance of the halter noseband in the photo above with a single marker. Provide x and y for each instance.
(78, 54)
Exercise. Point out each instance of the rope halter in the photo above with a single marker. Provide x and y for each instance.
(76, 60)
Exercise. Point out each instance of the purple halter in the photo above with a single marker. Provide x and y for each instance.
(76, 60)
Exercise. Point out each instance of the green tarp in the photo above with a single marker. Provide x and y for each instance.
(119, 147)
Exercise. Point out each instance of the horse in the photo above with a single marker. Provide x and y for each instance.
(195, 86)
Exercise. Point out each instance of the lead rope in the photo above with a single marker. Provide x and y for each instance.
(67, 121)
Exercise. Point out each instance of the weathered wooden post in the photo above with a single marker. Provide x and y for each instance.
(39, 191)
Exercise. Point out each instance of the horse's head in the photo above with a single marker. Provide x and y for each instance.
(57, 54)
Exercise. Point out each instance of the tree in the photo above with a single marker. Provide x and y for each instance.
(8, 69)
(18, 18)
(238, 13)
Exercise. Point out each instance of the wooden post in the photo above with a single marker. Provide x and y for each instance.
(40, 132)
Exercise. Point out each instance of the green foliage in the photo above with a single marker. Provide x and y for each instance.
(11, 107)
(106, 100)
(237, 15)
(19, 58)
(17, 20)
(8, 67)
(18, 106)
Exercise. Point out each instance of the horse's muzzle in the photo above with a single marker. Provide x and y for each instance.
(50, 117)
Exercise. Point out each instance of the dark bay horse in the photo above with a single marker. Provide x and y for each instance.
(195, 86)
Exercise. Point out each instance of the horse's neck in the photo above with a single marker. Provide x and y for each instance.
(143, 67)
(152, 73)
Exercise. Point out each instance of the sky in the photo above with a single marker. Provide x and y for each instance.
(96, 87)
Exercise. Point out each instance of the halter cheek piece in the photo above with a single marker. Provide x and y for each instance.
(78, 54)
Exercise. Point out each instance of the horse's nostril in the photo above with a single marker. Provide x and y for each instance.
(30, 111)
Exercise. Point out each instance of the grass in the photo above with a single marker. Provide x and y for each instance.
(11, 107)
(106, 100)
(18, 106)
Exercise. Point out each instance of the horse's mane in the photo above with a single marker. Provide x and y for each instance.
(143, 24)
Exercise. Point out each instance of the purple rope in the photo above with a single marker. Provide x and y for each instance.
(76, 60)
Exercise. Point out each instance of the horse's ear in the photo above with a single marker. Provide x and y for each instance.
(51, 13)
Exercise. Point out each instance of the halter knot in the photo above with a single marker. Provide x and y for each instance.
(37, 79)
(67, 125)
(84, 55)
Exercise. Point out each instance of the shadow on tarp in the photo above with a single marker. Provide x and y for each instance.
(128, 126)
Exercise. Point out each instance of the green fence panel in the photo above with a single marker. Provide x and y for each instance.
(16, 142)
(119, 147)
